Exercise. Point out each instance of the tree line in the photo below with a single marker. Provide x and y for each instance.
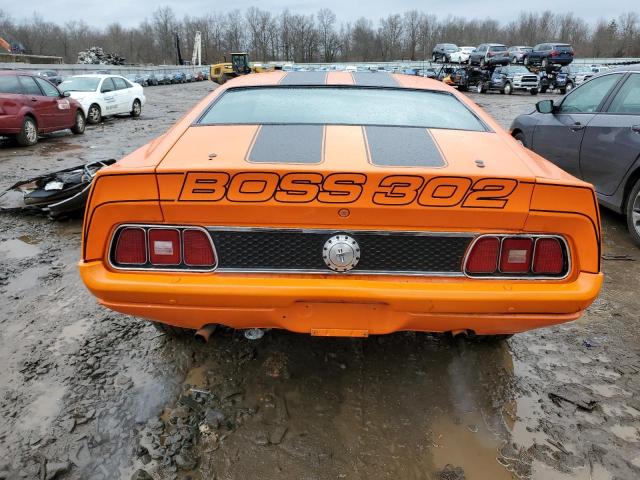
(290, 36)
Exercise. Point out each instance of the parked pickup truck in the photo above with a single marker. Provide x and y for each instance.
(514, 77)
(547, 54)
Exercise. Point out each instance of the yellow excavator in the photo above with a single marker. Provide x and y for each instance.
(239, 65)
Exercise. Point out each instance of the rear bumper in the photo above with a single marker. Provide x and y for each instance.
(10, 124)
(341, 305)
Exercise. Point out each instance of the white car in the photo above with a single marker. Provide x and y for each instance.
(350, 68)
(103, 95)
(462, 55)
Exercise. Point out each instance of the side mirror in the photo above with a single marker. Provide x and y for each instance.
(66, 94)
(545, 106)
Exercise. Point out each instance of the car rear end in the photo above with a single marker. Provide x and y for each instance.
(497, 55)
(561, 54)
(332, 228)
(12, 104)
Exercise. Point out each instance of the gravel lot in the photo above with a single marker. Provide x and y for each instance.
(86, 393)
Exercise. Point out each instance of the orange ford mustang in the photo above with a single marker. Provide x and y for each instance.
(341, 204)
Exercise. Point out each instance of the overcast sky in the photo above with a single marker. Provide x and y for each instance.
(131, 12)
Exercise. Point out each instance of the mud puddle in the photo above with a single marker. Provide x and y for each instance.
(19, 248)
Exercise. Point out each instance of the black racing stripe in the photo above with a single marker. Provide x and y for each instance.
(374, 79)
(288, 144)
(403, 147)
(304, 78)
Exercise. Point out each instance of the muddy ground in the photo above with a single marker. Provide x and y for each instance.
(86, 393)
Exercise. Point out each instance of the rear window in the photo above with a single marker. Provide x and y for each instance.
(498, 48)
(341, 106)
(9, 84)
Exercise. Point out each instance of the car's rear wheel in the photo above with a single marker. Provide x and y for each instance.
(172, 331)
(28, 133)
(480, 88)
(136, 108)
(569, 87)
(508, 89)
(633, 213)
(525, 60)
(533, 91)
(80, 124)
(94, 114)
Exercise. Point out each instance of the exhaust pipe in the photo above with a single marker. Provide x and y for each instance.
(202, 334)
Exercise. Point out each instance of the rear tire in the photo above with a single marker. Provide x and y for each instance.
(568, 87)
(28, 135)
(94, 114)
(81, 123)
(533, 91)
(633, 213)
(136, 108)
(525, 61)
(171, 331)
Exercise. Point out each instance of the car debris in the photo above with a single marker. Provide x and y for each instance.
(59, 194)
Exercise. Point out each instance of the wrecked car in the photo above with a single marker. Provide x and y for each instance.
(347, 204)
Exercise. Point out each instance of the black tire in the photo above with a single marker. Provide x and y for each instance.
(508, 88)
(480, 88)
(224, 78)
(171, 331)
(533, 91)
(544, 63)
(633, 213)
(568, 87)
(81, 123)
(519, 136)
(543, 89)
(28, 135)
(563, 91)
(514, 60)
(94, 114)
(447, 58)
(434, 58)
(483, 63)
(136, 108)
(525, 61)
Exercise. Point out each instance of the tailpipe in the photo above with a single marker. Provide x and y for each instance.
(203, 334)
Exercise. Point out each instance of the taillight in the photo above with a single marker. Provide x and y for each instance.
(163, 247)
(131, 247)
(519, 256)
(198, 250)
(548, 257)
(554, 53)
(483, 258)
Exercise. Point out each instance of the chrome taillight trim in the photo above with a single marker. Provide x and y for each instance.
(529, 276)
(147, 267)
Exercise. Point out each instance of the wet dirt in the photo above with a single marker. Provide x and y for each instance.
(111, 395)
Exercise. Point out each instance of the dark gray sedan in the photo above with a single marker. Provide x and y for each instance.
(594, 134)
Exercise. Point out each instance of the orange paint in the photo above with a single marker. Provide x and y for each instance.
(201, 176)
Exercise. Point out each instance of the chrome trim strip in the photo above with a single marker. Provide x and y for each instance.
(333, 231)
(143, 268)
(534, 237)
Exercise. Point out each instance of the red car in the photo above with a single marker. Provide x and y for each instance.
(30, 105)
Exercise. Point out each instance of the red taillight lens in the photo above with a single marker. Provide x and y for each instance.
(198, 251)
(516, 255)
(164, 246)
(131, 248)
(483, 257)
(548, 258)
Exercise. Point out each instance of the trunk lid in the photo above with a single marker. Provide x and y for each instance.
(345, 176)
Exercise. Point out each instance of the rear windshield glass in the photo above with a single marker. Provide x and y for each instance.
(498, 48)
(79, 84)
(341, 106)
